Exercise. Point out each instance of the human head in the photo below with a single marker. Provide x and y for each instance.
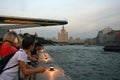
(10, 36)
(28, 42)
(38, 46)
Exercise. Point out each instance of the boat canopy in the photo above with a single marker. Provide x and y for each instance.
(24, 22)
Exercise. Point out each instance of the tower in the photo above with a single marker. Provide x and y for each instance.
(63, 35)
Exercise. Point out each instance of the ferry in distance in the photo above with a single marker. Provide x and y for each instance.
(112, 48)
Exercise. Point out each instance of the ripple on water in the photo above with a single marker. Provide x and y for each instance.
(87, 63)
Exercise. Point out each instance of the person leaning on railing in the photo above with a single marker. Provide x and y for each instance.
(20, 58)
(9, 45)
(33, 57)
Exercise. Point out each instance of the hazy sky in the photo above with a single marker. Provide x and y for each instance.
(85, 17)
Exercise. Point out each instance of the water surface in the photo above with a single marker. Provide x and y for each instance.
(86, 63)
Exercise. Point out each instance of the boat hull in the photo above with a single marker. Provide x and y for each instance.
(112, 48)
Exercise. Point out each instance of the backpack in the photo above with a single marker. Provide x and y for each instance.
(4, 61)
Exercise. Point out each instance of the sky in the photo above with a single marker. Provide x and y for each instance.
(85, 17)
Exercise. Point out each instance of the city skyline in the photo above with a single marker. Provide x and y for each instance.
(85, 17)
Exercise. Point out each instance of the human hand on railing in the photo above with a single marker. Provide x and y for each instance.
(42, 69)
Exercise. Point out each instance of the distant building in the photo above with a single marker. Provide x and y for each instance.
(113, 37)
(77, 40)
(63, 36)
(106, 30)
(71, 40)
(101, 35)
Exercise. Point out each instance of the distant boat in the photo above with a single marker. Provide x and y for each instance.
(115, 48)
(87, 45)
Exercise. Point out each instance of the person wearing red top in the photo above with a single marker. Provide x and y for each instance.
(9, 45)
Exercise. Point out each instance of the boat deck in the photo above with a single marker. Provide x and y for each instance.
(55, 74)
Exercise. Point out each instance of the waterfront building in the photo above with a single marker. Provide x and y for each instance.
(77, 40)
(101, 35)
(113, 37)
(71, 40)
(63, 36)
(106, 30)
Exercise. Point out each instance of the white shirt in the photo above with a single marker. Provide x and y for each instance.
(12, 73)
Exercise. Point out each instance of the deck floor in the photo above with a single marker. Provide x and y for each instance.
(56, 74)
